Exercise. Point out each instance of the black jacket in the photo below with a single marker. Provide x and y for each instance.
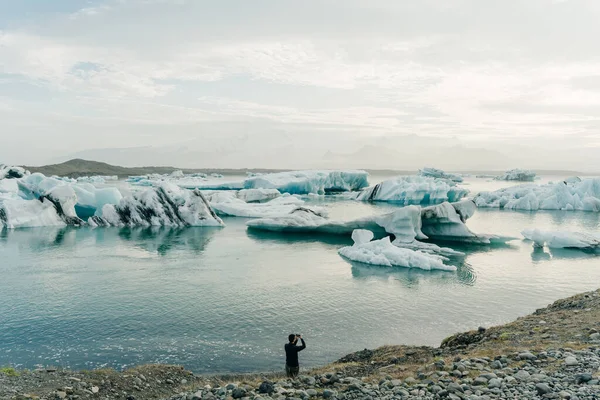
(291, 353)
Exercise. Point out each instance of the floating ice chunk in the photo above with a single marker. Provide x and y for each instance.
(11, 172)
(90, 199)
(438, 173)
(583, 196)
(383, 252)
(304, 182)
(21, 213)
(203, 184)
(563, 239)
(294, 182)
(97, 179)
(413, 190)
(404, 223)
(229, 204)
(258, 195)
(429, 248)
(446, 222)
(522, 175)
(361, 236)
(164, 205)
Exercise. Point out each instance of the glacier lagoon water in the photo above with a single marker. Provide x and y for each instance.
(223, 300)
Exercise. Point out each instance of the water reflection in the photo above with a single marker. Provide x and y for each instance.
(540, 254)
(163, 240)
(287, 238)
(153, 240)
(411, 277)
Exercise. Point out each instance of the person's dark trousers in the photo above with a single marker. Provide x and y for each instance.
(291, 372)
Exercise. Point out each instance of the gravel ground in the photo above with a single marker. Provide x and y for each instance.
(553, 353)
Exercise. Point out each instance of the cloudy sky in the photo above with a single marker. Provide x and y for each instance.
(458, 84)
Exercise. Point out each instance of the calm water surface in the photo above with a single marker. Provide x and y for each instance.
(223, 300)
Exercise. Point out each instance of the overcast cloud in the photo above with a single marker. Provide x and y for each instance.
(459, 84)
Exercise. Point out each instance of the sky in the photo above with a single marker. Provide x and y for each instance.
(399, 84)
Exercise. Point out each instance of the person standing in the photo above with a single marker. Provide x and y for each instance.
(292, 366)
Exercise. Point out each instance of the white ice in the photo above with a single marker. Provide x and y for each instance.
(403, 223)
(293, 182)
(37, 200)
(164, 205)
(569, 195)
(438, 173)
(443, 222)
(407, 190)
(12, 172)
(231, 203)
(383, 252)
(522, 175)
(563, 239)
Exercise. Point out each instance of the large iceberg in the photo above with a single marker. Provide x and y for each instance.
(405, 223)
(383, 252)
(256, 203)
(294, 182)
(407, 190)
(522, 175)
(569, 195)
(36, 200)
(304, 182)
(164, 205)
(563, 239)
(438, 173)
(443, 222)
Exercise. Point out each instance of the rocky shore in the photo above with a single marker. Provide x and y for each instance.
(553, 353)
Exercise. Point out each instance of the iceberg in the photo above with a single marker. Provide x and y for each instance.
(293, 182)
(440, 174)
(235, 204)
(258, 195)
(36, 200)
(20, 213)
(429, 248)
(563, 239)
(305, 182)
(522, 175)
(97, 178)
(11, 172)
(583, 195)
(164, 205)
(443, 222)
(404, 223)
(406, 190)
(383, 252)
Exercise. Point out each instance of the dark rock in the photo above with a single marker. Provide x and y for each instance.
(266, 387)
(583, 378)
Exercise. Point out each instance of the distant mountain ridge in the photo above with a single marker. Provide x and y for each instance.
(78, 167)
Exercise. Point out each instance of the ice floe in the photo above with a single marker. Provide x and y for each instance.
(443, 222)
(403, 223)
(36, 200)
(256, 203)
(438, 173)
(11, 172)
(383, 252)
(563, 239)
(293, 182)
(522, 175)
(583, 195)
(164, 205)
(407, 190)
